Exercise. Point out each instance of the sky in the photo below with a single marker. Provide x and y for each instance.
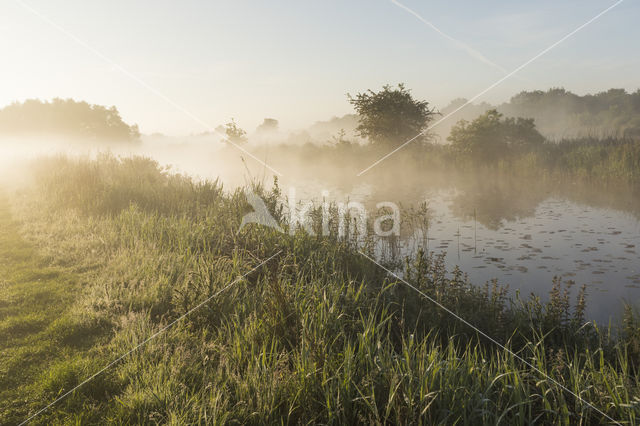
(186, 67)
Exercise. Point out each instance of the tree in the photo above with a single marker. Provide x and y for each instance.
(520, 134)
(269, 125)
(490, 137)
(391, 117)
(235, 135)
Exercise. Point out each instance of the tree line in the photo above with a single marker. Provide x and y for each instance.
(66, 117)
(560, 114)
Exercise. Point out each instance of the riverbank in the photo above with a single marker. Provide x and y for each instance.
(318, 334)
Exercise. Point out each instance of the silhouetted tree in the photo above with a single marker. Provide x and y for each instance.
(65, 117)
(490, 137)
(235, 135)
(391, 116)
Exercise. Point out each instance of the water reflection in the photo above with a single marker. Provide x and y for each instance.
(521, 232)
(492, 203)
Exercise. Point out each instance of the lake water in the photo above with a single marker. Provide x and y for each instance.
(521, 235)
(589, 245)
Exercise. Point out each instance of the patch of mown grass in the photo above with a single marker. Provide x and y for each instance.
(318, 335)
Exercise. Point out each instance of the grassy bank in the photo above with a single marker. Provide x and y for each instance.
(317, 335)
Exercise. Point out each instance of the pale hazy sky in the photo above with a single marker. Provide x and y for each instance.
(296, 60)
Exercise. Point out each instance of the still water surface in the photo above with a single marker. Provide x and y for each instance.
(522, 237)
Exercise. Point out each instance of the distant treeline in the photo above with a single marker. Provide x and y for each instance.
(560, 114)
(65, 117)
(557, 113)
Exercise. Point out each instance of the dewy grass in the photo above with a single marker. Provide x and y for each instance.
(111, 250)
(39, 331)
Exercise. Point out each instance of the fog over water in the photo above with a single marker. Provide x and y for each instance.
(520, 232)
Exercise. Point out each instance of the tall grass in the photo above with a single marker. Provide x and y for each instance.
(318, 335)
